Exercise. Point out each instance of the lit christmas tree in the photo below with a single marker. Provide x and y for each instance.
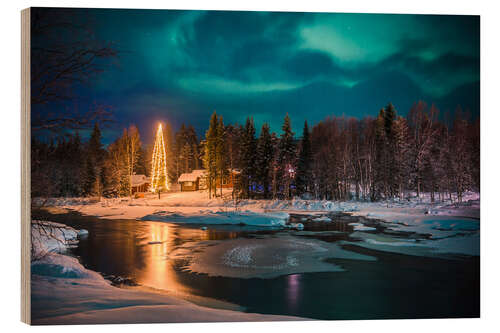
(159, 179)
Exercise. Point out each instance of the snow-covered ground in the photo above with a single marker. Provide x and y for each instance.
(197, 204)
(65, 292)
(50, 237)
(439, 229)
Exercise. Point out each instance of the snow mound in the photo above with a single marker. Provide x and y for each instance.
(51, 237)
(61, 266)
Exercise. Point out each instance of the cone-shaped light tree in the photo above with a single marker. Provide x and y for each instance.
(159, 179)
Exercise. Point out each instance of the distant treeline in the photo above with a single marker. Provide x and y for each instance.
(68, 167)
(337, 159)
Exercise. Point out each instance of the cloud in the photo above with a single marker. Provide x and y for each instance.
(182, 65)
(309, 64)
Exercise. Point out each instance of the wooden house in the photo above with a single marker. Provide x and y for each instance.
(140, 183)
(196, 180)
(192, 181)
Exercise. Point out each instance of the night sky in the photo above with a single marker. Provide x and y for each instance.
(180, 66)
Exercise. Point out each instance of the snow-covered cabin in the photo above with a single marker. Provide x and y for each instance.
(192, 181)
(196, 180)
(140, 183)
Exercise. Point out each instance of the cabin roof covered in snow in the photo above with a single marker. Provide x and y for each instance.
(138, 180)
(192, 176)
(199, 173)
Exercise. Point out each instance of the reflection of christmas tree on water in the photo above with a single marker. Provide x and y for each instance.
(159, 181)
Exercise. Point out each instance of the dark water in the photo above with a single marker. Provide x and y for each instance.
(394, 286)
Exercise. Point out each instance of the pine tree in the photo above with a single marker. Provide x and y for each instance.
(247, 158)
(170, 151)
(264, 159)
(180, 156)
(220, 147)
(159, 172)
(192, 140)
(304, 165)
(233, 134)
(94, 175)
(185, 158)
(275, 182)
(286, 157)
(95, 145)
(209, 157)
(90, 177)
(144, 160)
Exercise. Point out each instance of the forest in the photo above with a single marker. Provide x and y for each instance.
(339, 158)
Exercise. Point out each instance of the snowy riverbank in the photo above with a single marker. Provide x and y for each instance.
(65, 292)
(435, 228)
(195, 204)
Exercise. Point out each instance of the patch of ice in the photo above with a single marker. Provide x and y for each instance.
(266, 257)
(297, 226)
(322, 219)
(453, 245)
(361, 227)
(438, 226)
(268, 219)
(82, 233)
(240, 256)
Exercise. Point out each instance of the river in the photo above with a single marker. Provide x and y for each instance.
(392, 286)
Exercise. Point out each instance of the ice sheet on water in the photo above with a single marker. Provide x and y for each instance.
(438, 226)
(322, 219)
(467, 244)
(360, 226)
(264, 257)
(268, 219)
(297, 226)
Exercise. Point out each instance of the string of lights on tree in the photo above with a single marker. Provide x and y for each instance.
(159, 179)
